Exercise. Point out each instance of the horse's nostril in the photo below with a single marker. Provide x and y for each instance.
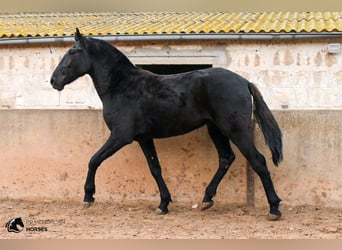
(52, 80)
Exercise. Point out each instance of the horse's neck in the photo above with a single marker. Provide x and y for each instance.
(109, 68)
(109, 77)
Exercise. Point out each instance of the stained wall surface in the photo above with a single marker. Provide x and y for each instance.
(45, 153)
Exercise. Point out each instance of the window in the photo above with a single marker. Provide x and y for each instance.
(167, 69)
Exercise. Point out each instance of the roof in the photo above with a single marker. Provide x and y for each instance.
(152, 23)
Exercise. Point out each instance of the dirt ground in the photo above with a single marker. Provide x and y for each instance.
(137, 220)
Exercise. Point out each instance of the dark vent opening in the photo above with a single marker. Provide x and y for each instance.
(167, 69)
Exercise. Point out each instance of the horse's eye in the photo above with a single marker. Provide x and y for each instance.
(74, 50)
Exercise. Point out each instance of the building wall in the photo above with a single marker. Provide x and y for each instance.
(290, 74)
(45, 153)
(47, 137)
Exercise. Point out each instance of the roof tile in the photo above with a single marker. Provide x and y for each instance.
(63, 24)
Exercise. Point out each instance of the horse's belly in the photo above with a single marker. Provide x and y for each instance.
(160, 129)
(174, 131)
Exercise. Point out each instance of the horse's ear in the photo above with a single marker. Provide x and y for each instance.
(78, 35)
(80, 38)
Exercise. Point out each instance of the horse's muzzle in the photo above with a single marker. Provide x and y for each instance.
(53, 83)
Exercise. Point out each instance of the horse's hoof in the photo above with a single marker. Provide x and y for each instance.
(159, 211)
(207, 205)
(273, 217)
(87, 204)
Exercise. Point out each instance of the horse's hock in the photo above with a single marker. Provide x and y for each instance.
(47, 154)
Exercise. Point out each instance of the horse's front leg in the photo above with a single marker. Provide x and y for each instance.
(111, 146)
(150, 153)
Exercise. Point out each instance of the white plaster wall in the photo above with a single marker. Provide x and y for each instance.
(297, 75)
(291, 75)
(24, 80)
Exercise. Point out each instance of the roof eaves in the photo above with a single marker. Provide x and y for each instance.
(178, 37)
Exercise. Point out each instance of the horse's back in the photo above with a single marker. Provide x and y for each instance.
(224, 89)
(215, 94)
(176, 104)
(224, 79)
(215, 89)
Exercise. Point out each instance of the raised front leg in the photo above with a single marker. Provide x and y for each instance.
(108, 149)
(153, 162)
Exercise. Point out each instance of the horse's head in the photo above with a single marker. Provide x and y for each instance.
(19, 221)
(75, 63)
(12, 225)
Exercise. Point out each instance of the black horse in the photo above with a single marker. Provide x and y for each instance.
(139, 106)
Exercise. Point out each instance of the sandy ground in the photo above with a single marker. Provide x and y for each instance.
(136, 219)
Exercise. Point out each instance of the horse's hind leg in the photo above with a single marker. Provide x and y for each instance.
(242, 139)
(226, 158)
(153, 162)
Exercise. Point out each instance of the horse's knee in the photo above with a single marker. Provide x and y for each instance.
(226, 162)
(89, 186)
(155, 171)
(231, 159)
(93, 163)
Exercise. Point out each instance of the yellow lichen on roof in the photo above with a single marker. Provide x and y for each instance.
(64, 24)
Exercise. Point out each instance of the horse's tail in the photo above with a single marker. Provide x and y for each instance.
(268, 124)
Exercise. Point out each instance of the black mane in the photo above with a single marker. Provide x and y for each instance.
(104, 50)
(112, 61)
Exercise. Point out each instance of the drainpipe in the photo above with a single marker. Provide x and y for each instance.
(177, 37)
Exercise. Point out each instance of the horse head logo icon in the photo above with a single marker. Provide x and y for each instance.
(12, 225)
